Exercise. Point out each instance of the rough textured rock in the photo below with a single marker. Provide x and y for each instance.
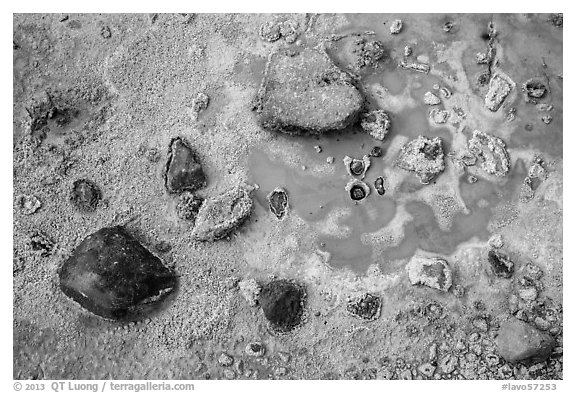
(278, 202)
(305, 92)
(518, 341)
(112, 275)
(491, 152)
(250, 290)
(282, 302)
(499, 87)
(366, 307)
(85, 195)
(379, 185)
(376, 123)
(219, 216)
(424, 157)
(183, 170)
(432, 272)
(501, 264)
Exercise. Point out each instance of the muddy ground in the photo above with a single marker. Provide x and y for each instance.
(101, 97)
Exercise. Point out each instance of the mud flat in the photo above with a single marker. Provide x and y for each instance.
(288, 196)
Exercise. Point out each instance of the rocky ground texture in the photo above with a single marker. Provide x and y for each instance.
(145, 249)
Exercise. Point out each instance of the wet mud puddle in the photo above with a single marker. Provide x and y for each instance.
(315, 177)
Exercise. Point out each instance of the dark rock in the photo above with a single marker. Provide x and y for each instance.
(557, 20)
(41, 244)
(105, 32)
(270, 31)
(376, 151)
(278, 202)
(534, 90)
(358, 190)
(282, 302)
(305, 92)
(183, 170)
(28, 204)
(423, 156)
(85, 195)
(501, 264)
(255, 349)
(366, 307)
(357, 193)
(188, 206)
(518, 341)
(379, 185)
(112, 275)
(221, 215)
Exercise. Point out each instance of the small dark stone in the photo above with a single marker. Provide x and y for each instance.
(183, 170)
(283, 304)
(357, 193)
(379, 185)
(447, 26)
(112, 275)
(366, 307)
(376, 151)
(278, 201)
(357, 167)
(188, 206)
(535, 89)
(501, 264)
(85, 195)
(483, 79)
(41, 244)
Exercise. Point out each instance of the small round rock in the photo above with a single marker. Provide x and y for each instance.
(255, 349)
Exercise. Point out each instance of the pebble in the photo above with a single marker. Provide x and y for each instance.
(225, 360)
(318, 149)
(28, 204)
(229, 374)
(431, 98)
(105, 32)
(496, 241)
(518, 341)
(547, 119)
(255, 349)
(501, 264)
(184, 171)
(85, 195)
(250, 290)
(330, 160)
(280, 371)
(396, 26)
(110, 256)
